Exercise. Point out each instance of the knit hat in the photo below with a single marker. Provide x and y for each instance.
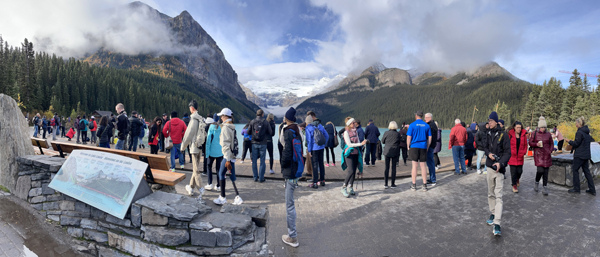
(215, 117)
(494, 116)
(291, 114)
(308, 120)
(542, 122)
(501, 122)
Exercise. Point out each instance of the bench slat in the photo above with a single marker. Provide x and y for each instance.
(166, 177)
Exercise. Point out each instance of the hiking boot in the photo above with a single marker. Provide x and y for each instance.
(220, 201)
(313, 185)
(536, 187)
(490, 221)
(545, 190)
(413, 187)
(590, 192)
(497, 231)
(515, 189)
(345, 192)
(351, 191)
(573, 191)
(424, 188)
(293, 242)
(322, 183)
(238, 200)
(189, 189)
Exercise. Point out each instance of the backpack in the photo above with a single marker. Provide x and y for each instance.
(52, 122)
(234, 145)
(91, 125)
(258, 130)
(297, 158)
(201, 134)
(82, 124)
(319, 137)
(342, 142)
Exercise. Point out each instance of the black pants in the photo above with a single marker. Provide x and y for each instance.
(327, 149)
(44, 136)
(270, 151)
(217, 161)
(515, 173)
(153, 149)
(560, 144)
(390, 161)
(542, 172)
(371, 153)
(318, 165)
(437, 159)
(62, 131)
(404, 154)
(352, 162)
(83, 136)
(247, 147)
(584, 164)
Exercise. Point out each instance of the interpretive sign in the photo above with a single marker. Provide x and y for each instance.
(595, 150)
(103, 180)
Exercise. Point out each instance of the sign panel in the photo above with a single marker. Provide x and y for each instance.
(104, 180)
(595, 151)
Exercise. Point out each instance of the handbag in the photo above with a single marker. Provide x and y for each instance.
(168, 141)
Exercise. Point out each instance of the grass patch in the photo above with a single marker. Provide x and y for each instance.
(3, 188)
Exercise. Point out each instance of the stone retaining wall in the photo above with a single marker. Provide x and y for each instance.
(161, 224)
(561, 171)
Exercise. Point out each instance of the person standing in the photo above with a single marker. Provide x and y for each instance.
(36, 128)
(403, 144)
(581, 157)
(175, 129)
(470, 145)
(391, 141)
(213, 152)
(44, 126)
(135, 126)
(247, 143)
(542, 143)
(161, 141)
(332, 133)
(480, 138)
(77, 128)
(315, 133)
(228, 141)
(154, 135)
(260, 130)
(55, 126)
(186, 120)
(122, 126)
(560, 138)
(458, 138)
(418, 138)
(438, 147)
(83, 124)
(430, 151)
(62, 126)
(497, 150)
(271, 121)
(93, 130)
(518, 149)
(105, 129)
(290, 170)
(194, 137)
(372, 135)
(351, 155)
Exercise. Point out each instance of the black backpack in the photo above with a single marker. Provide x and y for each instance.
(258, 130)
(91, 125)
(234, 145)
(82, 124)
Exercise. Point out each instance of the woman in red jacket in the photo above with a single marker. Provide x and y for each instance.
(542, 144)
(518, 149)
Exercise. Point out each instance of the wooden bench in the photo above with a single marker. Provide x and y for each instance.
(158, 165)
(41, 147)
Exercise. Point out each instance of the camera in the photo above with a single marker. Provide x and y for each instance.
(496, 158)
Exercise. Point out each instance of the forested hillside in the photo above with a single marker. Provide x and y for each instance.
(41, 80)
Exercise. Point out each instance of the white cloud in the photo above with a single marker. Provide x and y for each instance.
(275, 53)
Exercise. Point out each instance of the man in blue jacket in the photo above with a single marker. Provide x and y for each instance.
(314, 132)
(371, 134)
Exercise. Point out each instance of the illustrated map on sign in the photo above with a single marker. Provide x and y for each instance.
(103, 180)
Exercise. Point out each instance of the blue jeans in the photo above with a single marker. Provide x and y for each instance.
(290, 186)
(458, 154)
(174, 151)
(259, 151)
(134, 143)
(36, 129)
(120, 144)
(223, 170)
(481, 155)
(431, 164)
(105, 145)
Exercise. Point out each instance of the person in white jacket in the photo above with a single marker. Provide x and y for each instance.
(194, 138)
(230, 149)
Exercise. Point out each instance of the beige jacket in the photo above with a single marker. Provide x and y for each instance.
(195, 134)
(227, 136)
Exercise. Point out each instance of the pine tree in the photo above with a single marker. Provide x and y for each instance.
(581, 108)
(565, 111)
(504, 113)
(530, 112)
(586, 85)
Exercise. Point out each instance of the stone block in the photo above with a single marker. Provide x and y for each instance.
(166, 236)
(259, 214)
(260, 238)
(54, 217)
(97, 214)
(69, 221)
(77, 214)
(67, 205)
(51, 206)
(137, 247)
(173, 223)
(200, 225)
(55, 197)
(223, 237)
(110, 252)
(37, 199)
(24, 161)
(205, 251)
(104, 226)
(82, 207)
(95, 235)
(239, 240)
(46, 190)
(89, 224)
(38, 206)
(57, 212)
(176, 206)
(23, 187)
(557, 174)
(136, 215)
(40, 176)
(151, 218)
(36, 183)
(238, 224)
(203, 238)
(117, 221)
(35, 192)
(75, 232)
(27, 171)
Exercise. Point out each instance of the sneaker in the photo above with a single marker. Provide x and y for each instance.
(386, 187)
(322, 183)
(293, 242)
(204, 174)
(172, 170)
(497, 231)
(313, 185)
(189, 189)
(209, 187)
(218, 189)
(238, 200)
(536, 187)
(345, 192)
(351, 191)
(220, 201)
(413, 187)
(272, 172)
(431, 184)
(333, 164)
(182, 166)
(490, 221)
(515, 189)
(590, 192)
(424, 188)
(327, 165)
(573, 191)
(393, 186)
(545, 190)
(201, 190)
(485, 172)
(479, 172)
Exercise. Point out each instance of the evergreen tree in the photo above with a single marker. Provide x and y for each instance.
(586, 84)
(530, 112)
(581, 108)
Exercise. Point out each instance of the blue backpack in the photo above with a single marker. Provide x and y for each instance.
(297, 142)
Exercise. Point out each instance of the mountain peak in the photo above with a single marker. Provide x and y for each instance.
(374, 69)
(490, 69)
(186, 15)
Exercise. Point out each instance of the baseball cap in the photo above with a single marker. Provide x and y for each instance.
(226, 112)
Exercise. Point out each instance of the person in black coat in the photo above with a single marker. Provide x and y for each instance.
(330, 128)
(289, 168)
(154, 135)
(105, 130)
(403, 145)
(371, 134)
(582, 156)
(391, 140)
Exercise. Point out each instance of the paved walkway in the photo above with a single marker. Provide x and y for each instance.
(448, 220)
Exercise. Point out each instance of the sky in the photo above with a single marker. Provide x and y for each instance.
(266, 40)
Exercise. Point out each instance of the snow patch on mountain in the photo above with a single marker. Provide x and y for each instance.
(282, 91)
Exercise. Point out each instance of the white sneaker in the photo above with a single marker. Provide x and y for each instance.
(220, 201)
(479, 172)
(189, 189)
(218, 189)
(201, 190)
(182, 166)
(241, 161)
(238, 200)
(209, 187)
(272, 172)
